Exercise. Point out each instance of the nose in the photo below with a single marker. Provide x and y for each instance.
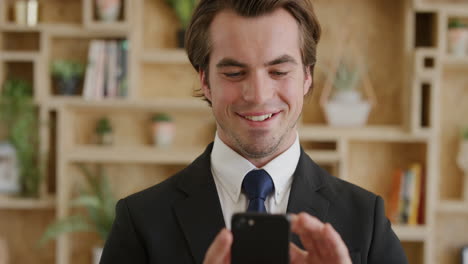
(257, 89)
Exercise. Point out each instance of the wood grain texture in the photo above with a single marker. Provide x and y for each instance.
(453, 117)
(378, 32)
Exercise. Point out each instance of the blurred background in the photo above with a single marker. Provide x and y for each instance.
(97, 103)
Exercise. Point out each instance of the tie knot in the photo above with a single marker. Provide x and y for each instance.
(257, 184)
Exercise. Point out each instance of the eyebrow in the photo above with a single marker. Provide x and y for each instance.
(229, 62)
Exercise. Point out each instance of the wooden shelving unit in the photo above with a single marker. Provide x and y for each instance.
(419, 87)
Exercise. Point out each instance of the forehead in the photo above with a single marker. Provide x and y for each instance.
(254, 39)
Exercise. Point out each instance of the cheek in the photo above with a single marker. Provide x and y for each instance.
(225, 93)
(291, 92)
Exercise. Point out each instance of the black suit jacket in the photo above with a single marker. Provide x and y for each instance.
(176, 221)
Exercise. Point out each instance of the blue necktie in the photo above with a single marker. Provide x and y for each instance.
(257, 185)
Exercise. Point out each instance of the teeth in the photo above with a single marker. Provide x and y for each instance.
(258, 118)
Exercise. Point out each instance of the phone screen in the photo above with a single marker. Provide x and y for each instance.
(260, 238)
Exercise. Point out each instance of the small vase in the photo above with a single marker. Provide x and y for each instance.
(106, 138)
(108, 10)
(21, 12)
(458, 41)
(9, 169)
(462, 162)
(68, 86)
(163, 133)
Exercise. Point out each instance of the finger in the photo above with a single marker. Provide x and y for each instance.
(310, 231)
(335, 244)
(220, 250)
(296, 255)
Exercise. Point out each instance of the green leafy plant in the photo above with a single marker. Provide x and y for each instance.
(99, 203)
(456, 23)
(67, 69)
(18, 113)
(103, 126)
(347, 78)
(464, 133)
(161, 117)
(183, 10)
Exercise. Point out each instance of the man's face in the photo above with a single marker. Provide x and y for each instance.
(256, 82)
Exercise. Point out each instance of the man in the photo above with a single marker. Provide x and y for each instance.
(255, 59)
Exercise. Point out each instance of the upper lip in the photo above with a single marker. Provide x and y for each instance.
(258, 113)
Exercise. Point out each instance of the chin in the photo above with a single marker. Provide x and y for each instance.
(258, 148)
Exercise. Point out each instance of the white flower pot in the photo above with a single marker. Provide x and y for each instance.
(462, 162)
(97, 253)
(108, 10)
(458, 42)
(9, 170)
(163, 133)
(347, 114)
(351, 96)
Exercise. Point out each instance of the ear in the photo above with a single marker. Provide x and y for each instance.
(204, 84)
(307, 80)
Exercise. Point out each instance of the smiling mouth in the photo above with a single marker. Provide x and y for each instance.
(258, 118)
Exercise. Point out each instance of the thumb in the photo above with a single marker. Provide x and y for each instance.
(220, 250)
(296, 255)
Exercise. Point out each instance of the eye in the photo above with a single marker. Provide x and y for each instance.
(234, 74)
(278, 73)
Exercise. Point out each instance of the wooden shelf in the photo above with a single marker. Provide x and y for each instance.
(146, 154)
(410, 233)
(19, 56)
(7, 202)
(453, 207)
(324, 156)
(169, 56)
(370, 133)
(77, 102)
(451, 60)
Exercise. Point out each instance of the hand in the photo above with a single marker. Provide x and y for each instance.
(322, 243)
(219, 251)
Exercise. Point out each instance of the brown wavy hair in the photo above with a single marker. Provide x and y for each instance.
(197, 39)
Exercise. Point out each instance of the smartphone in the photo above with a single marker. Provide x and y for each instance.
(260, 238)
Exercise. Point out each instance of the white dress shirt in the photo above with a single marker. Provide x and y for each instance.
(229, 169)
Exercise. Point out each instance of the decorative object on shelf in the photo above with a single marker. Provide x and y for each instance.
(99, 202)
(3, 251)
(67, 76)
(183, 10)
(104, 132)
(9, 176)
(457, 38)
(108, 10)
(18, 112)
(464, 255)
(163, 129)
(406, 196)
(26, 12)
(462, 160)
(346, 107)
(106, 72)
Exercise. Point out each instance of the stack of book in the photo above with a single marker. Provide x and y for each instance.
(406, 198)
(106, 73)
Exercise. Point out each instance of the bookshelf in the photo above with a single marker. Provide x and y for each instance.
(421, 90)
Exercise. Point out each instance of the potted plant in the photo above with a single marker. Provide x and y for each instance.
(18, 113)
(67, 75)
(163, 130)
(346, 107)
(99, 203)
(457, 38)
(462, 159)
(183, 10)
(104, 132)
(108, 10)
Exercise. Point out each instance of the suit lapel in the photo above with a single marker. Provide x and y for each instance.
(199, 215)
(309, 192)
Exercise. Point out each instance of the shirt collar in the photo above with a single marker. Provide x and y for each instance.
(230, 168)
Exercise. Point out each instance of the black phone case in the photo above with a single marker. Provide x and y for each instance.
(265, 240)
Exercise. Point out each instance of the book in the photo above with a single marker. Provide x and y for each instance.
(394, 196)
(415, 194)
(90, 75)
